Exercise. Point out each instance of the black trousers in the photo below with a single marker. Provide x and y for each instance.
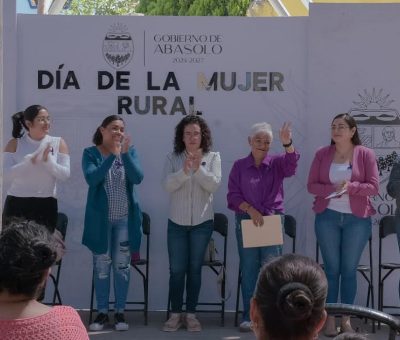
(42, 210)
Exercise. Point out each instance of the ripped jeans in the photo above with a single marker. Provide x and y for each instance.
(118, 255)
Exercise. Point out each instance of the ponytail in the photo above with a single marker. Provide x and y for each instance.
(18, 124)
(19, 118)
(97, 137)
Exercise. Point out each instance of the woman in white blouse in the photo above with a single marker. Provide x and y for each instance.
(192, 173)
(33, 162)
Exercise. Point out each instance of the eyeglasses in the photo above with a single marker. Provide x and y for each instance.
(195, 134)
(340, 127)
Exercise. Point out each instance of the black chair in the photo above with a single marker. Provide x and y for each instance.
(365, 270)
(387, 227)
(62, 223)
(368, 313)
(289, 225)
(142, 267)
(220, 228)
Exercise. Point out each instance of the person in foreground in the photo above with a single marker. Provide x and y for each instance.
(255, 189)
(393, 189)
(27, 252)
(113, 218)
(33, 162)
(342, 177)
(289, 299)
(192, 173)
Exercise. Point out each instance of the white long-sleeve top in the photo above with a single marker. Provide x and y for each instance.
(191, 196)
(37, 179)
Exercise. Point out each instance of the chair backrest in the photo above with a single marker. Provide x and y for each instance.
(387, 226)
(290, 226)
(146, 223)
(290, 229)
(221, 224)
(62, 223)
(365, 312)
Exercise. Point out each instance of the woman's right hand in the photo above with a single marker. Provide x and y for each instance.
(256, 216)
(188, 165)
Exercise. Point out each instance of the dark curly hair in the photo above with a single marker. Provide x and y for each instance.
(206, 140)
(290, 295)
(27, 251)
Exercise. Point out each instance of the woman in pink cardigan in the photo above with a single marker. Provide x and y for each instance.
(27, 252)
(342, 177)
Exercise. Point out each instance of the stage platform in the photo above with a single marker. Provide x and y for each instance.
(211, 329)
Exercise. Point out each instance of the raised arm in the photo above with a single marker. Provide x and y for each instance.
(93, 172)
(58, 166)
(172, 179)
(133, 169)
(210, 180)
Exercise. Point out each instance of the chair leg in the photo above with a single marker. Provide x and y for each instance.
(146, 299)
(237, 299)
(56, 295)
(91, 301)
(223, 301)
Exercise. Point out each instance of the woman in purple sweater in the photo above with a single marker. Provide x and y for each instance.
(342, 177)
(255, 189)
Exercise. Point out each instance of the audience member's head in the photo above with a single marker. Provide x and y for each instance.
(289, 299)
(351, 336)
(27, 251)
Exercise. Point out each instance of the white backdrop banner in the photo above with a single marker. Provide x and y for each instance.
(236, 71)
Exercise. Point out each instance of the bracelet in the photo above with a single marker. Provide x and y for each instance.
(288, 145)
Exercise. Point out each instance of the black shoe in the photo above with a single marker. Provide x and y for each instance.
(120, 323)
(99, 322)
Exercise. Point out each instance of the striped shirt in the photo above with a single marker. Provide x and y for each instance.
(115, 186)
(191, 196)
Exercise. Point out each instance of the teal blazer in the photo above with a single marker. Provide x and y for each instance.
(95, 169)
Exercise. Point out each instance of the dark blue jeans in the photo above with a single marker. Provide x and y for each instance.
(342, 238)
(186, 248)
(251, 261)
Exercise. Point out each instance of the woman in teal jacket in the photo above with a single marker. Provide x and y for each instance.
(113, 217)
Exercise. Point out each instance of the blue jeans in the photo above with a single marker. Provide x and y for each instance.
(118, 254)
(186, 249)
(251, 261)
(342, 238)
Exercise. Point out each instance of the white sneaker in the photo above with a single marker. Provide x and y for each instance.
(245, 326)
(120, 323)
(99, 322)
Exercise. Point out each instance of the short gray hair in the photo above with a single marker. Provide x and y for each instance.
(261, 127)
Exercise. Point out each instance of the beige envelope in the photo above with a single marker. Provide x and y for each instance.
(269, 234)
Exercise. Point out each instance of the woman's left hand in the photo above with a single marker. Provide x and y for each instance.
(285, 133)
(46, 152)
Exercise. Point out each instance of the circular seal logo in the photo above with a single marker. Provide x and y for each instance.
(118, 46)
